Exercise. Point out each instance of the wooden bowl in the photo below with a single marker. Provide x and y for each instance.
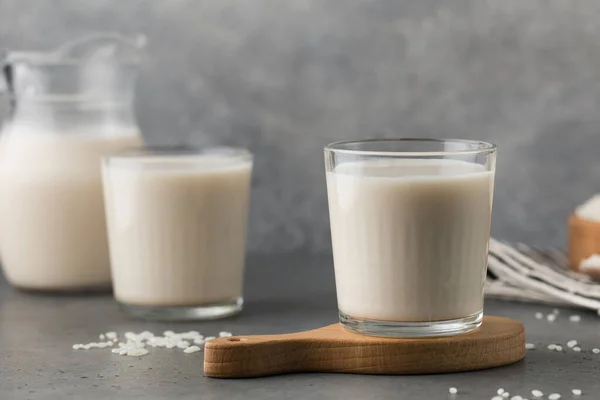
(584, 240)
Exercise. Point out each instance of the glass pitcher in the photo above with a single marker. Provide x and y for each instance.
(67, 109)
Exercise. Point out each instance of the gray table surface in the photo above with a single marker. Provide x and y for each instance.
(284, 294)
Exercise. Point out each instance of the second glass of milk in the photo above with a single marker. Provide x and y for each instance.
(410, 226)
(177, 230)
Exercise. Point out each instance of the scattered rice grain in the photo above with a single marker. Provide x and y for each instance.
(137, 352)
(574, 318)
(192, 349)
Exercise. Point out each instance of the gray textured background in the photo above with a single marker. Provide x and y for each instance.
(283, 78)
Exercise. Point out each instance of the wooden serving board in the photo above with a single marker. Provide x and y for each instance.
(499, 341)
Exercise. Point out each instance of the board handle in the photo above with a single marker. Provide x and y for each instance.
(254, 356)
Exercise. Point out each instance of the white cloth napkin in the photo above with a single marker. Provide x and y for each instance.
(521, 273)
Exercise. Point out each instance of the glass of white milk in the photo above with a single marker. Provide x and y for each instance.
(410, 226)
(177, 230)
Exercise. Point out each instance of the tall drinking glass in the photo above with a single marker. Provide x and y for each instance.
(410, 227)
(177, 230)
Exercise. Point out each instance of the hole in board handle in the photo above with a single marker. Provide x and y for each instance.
(236, 339)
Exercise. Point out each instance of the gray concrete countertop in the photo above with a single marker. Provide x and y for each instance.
(284, 294)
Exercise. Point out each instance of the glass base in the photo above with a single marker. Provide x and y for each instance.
(184, 313)
(411, 329)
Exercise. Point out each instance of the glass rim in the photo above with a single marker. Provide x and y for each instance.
(189, 153)
(481, 147)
